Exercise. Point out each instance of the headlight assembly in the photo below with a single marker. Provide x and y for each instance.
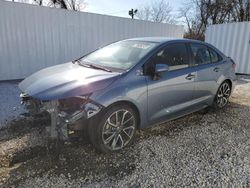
(79, 103)
(73, 104)
(91, 109)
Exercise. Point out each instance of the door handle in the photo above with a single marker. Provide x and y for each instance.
(190, 76)
(216, 69)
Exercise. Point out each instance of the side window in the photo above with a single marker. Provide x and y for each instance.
(201, 54)
(174, 55)
(215, 57)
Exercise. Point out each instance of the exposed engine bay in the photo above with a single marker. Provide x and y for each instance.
(66, 115)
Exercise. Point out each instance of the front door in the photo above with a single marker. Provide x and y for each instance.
(172, 91)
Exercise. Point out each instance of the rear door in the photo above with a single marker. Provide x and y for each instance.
(209, 65)
(172, 93)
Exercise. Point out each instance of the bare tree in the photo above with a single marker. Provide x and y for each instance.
(38, 2)
(191, 17)
(76, 5)
(241, 11)
(198, 14)
(158, 11)
(20, 1)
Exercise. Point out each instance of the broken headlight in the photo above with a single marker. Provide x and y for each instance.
(77, 104)
(72, 104)
(91, 108)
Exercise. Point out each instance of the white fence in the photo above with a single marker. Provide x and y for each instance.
(233, 40)
(34, 37)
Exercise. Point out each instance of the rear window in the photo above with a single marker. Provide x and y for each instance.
(200, 53)
(203, 54)
(215, 57)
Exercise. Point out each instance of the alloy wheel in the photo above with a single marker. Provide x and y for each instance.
(118, 129)
(223, 95)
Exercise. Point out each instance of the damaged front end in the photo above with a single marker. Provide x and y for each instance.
(67, 116)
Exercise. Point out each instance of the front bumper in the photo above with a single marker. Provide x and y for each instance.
(67, 115)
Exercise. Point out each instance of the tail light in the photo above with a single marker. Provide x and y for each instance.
(233, 63)
(234, 66)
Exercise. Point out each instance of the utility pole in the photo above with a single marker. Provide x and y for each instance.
(132, 12)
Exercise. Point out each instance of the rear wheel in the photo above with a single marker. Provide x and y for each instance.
(115, 128)
(222, 95)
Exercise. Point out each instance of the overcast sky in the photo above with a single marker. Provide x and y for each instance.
(121, 7)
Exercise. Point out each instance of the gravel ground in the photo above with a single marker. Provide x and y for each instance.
(204, 149)
(10, 103)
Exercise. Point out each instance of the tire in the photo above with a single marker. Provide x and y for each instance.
(222, 96)
(107, 132)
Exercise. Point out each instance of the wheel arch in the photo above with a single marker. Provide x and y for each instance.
(222, 79)
(229, 81)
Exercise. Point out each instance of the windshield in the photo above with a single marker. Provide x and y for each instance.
(120, 55)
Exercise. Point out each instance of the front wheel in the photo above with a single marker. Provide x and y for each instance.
(222, 95)
(115, 129)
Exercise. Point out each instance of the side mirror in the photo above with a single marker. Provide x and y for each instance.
(159, 68)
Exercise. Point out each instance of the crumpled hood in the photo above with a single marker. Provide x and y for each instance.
(66, 80)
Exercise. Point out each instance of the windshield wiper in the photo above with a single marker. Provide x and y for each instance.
(99, 67)
(94, 66)
(89, 65)
(76, 61)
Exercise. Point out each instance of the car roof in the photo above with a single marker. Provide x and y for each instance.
(162, 39)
